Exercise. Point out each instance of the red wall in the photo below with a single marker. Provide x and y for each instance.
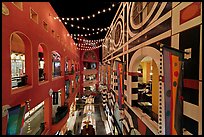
(20, 21)
(82, 52)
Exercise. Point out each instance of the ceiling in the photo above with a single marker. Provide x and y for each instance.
(84, 9)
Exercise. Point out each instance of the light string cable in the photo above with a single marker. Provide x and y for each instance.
(87, 17)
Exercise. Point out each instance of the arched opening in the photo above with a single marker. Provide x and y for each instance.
(20, 60)
(145, 80)
(148, 79)
(56, 64)
(90, 77)
(42, 62)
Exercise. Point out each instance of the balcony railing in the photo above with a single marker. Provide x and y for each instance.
(61, 113)
(149, 112)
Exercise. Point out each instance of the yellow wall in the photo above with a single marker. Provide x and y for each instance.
(155, 88)
(146, 71)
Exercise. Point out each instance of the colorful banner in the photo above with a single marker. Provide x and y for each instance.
(15, 119)
(120, 78)
(173, 74)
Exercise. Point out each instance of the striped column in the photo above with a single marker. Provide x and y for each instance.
(104, 97)
(135, 87)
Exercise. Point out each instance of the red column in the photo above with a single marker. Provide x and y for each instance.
(48, 112)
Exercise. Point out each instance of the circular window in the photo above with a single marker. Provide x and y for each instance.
(118, 34)
(137, 13)
(140, 13)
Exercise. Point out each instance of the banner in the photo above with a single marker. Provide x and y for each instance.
(109, 76)
(173, 75)
(120, 78)
(55, 98)
(15, 119)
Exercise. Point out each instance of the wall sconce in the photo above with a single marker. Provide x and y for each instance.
(5, 110)
(50, 92)
(187, 55)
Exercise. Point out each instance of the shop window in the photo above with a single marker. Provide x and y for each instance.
(34, 16)
(19, 5)
(20, 60)
(67, 85)
(42, 62)
(89, 65)
(148, 87)
(56, 65)
(66, 68)
(45, 25)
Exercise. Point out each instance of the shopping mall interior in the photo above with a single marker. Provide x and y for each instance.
(102, 68)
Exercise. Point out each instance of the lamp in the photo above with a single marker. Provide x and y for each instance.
(5, 110)
(50, 92)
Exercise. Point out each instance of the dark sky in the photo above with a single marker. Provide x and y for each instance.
(85, 8)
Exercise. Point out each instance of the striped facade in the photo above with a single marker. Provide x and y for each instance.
(176, 24)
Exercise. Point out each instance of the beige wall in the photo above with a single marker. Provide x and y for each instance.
(146, 71)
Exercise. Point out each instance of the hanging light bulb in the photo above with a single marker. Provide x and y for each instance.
(72, 25)
(67, 18)
(104, 10)
(113, 5)
(93, 15)
(88, 17)
(62, 18)
(82, 18)
(77, 18)
(99, 12)
(65, 23)
(72, 18)
(109, 9)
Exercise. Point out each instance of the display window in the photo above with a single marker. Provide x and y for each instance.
(56, 64)
(17, 69)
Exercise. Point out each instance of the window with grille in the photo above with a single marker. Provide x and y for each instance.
(117, 34)
(137, 13)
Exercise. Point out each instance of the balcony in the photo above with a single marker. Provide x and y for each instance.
(90, 83)
(61, 113)
(89, 71)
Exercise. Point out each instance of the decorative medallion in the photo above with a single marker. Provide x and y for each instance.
(5, 10)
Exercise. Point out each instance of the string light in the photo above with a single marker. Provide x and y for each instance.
(90, 16)
(29, 119)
